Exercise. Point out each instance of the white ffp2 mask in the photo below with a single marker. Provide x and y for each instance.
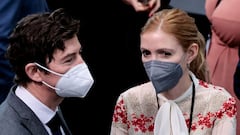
(76, 82)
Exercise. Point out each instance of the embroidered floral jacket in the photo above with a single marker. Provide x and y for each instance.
(214, 110)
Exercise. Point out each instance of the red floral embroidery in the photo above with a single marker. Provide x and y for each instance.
(206, 85)
(141, 123)
(187, 120)
(194, 126)
(202, 83)
(205, 121)
(120, 113)
(228, 108)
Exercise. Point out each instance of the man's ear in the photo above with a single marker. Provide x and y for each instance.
(192, 52)
(32, 72)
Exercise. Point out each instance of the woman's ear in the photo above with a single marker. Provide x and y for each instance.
(33, 72)
(192, 52)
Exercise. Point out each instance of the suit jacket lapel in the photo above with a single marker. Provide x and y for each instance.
(27, 117)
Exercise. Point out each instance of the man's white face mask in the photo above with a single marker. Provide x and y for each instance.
(76, 82)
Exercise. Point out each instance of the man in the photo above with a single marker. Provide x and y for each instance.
(44, 52)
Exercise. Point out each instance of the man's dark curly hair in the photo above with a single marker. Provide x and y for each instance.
(35, 39)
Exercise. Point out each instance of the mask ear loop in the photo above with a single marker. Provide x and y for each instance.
(53, 72)
(54, 88)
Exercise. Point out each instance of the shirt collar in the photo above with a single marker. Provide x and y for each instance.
(43, 112)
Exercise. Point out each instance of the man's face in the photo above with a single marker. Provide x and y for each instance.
(64, 60)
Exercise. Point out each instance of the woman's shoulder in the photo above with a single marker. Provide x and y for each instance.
(211, 92)
(214, 99)
(141, 88)
(142, 92)
(140, 98)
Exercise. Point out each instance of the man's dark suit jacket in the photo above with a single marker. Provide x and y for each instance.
(16, 118)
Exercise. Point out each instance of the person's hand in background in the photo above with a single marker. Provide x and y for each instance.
(144, 5)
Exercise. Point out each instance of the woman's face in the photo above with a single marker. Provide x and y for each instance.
(158, 45)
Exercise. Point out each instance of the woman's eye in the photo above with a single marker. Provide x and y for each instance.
(145, 53)
(165, 53)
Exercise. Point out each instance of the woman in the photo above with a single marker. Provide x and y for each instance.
(178, 100)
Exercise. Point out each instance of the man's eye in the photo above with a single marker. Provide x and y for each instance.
(69, 60)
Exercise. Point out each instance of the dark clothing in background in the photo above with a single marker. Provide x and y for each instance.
(237, 78)
(12, 11)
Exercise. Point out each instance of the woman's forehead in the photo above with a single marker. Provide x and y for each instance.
(159, 39)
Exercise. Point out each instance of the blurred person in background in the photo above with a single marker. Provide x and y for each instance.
(222, 57)
(12, 11)
(237, 78)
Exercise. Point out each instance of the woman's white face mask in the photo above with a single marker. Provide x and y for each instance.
(76, 82)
